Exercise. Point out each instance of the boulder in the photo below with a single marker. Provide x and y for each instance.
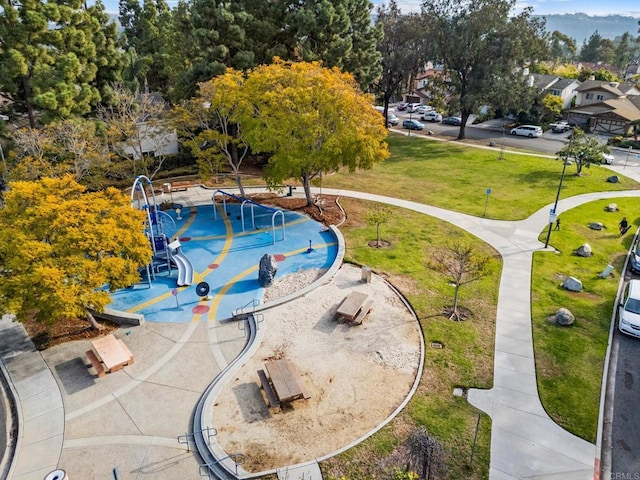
(267, 270)
(596, 226)
(584, 250)
(572, 284)
(564, 317)
(612, 207)
(613, 179)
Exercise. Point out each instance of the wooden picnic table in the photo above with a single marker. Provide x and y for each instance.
(354, 307)
(286, 380)
(112, 352)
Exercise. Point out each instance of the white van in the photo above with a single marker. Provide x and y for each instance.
(527, 131)
(413, 107)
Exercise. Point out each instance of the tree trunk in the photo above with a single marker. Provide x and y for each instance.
(454, 313)
(378, 235)
(235, 164)
(31, 112)
(464, 117)
(306, 184)
(92, 321)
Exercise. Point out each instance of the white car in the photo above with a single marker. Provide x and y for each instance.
(629, 309)
(527, 131)
(423, 109)
(432, 116)
(608, 158)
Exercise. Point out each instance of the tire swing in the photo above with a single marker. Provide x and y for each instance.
(202, 290)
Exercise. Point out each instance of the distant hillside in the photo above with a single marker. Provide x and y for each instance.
(581, 26)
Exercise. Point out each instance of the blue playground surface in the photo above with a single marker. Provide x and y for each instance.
(226, 257)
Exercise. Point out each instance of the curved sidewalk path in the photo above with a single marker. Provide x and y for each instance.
(525, 442)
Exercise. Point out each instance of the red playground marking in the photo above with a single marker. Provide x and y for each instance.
(213, 266)
(185, 239)
(279, 257)
(200, 309)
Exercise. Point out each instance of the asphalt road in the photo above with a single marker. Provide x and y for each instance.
(549, 143)
(625, 425)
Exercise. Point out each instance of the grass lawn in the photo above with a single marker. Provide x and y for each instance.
(456, 177)
(569, 360)
(466, 359)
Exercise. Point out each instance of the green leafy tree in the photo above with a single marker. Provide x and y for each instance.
(377, 217)
(625, 51)
(147, 30)
(562, 48)
(59, 246)
(583, 150)
(399, 50)
(590, 51)
(363, 61)
(310, 119)
(48, 60)
(481, 49)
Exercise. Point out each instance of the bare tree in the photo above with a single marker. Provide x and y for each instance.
(136, 124)
(462, 264)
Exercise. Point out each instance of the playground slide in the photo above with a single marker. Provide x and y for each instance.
(183, 264)
(185, 269)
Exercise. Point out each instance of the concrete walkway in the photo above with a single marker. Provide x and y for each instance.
(525, 443)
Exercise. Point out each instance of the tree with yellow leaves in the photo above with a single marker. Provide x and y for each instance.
(60, 246)
(210, 126)
(310, 119)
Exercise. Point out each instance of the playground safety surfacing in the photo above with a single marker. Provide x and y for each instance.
(226, 256)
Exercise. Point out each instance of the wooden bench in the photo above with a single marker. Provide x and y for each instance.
(180, 186)
(366, 307)
(268, 390)
(95, 363)
(124, 347)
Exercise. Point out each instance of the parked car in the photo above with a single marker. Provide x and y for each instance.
(432, 116)
(560, 127)
(527, 131)
(402, 106)
(392, 119)
(607, 158)
(634, 264)
(412, 124)
(629, 309)
(452, 120)
(424, 109)
(413, 107)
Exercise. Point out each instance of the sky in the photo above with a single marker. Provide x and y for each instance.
(540, 7)
(543, 7)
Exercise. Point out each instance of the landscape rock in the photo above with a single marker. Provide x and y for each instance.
(612, 207)
(613, 179)
(572, 284)
(584, 250)
(564, 317)
(596, 226)
(267, 270)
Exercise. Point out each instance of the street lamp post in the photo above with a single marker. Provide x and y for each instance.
(554, 211)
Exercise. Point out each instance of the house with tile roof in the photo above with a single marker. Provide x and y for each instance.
(605, 107)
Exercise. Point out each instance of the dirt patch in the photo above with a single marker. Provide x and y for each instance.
(66, 330)
(325, 210)
(356, 376)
